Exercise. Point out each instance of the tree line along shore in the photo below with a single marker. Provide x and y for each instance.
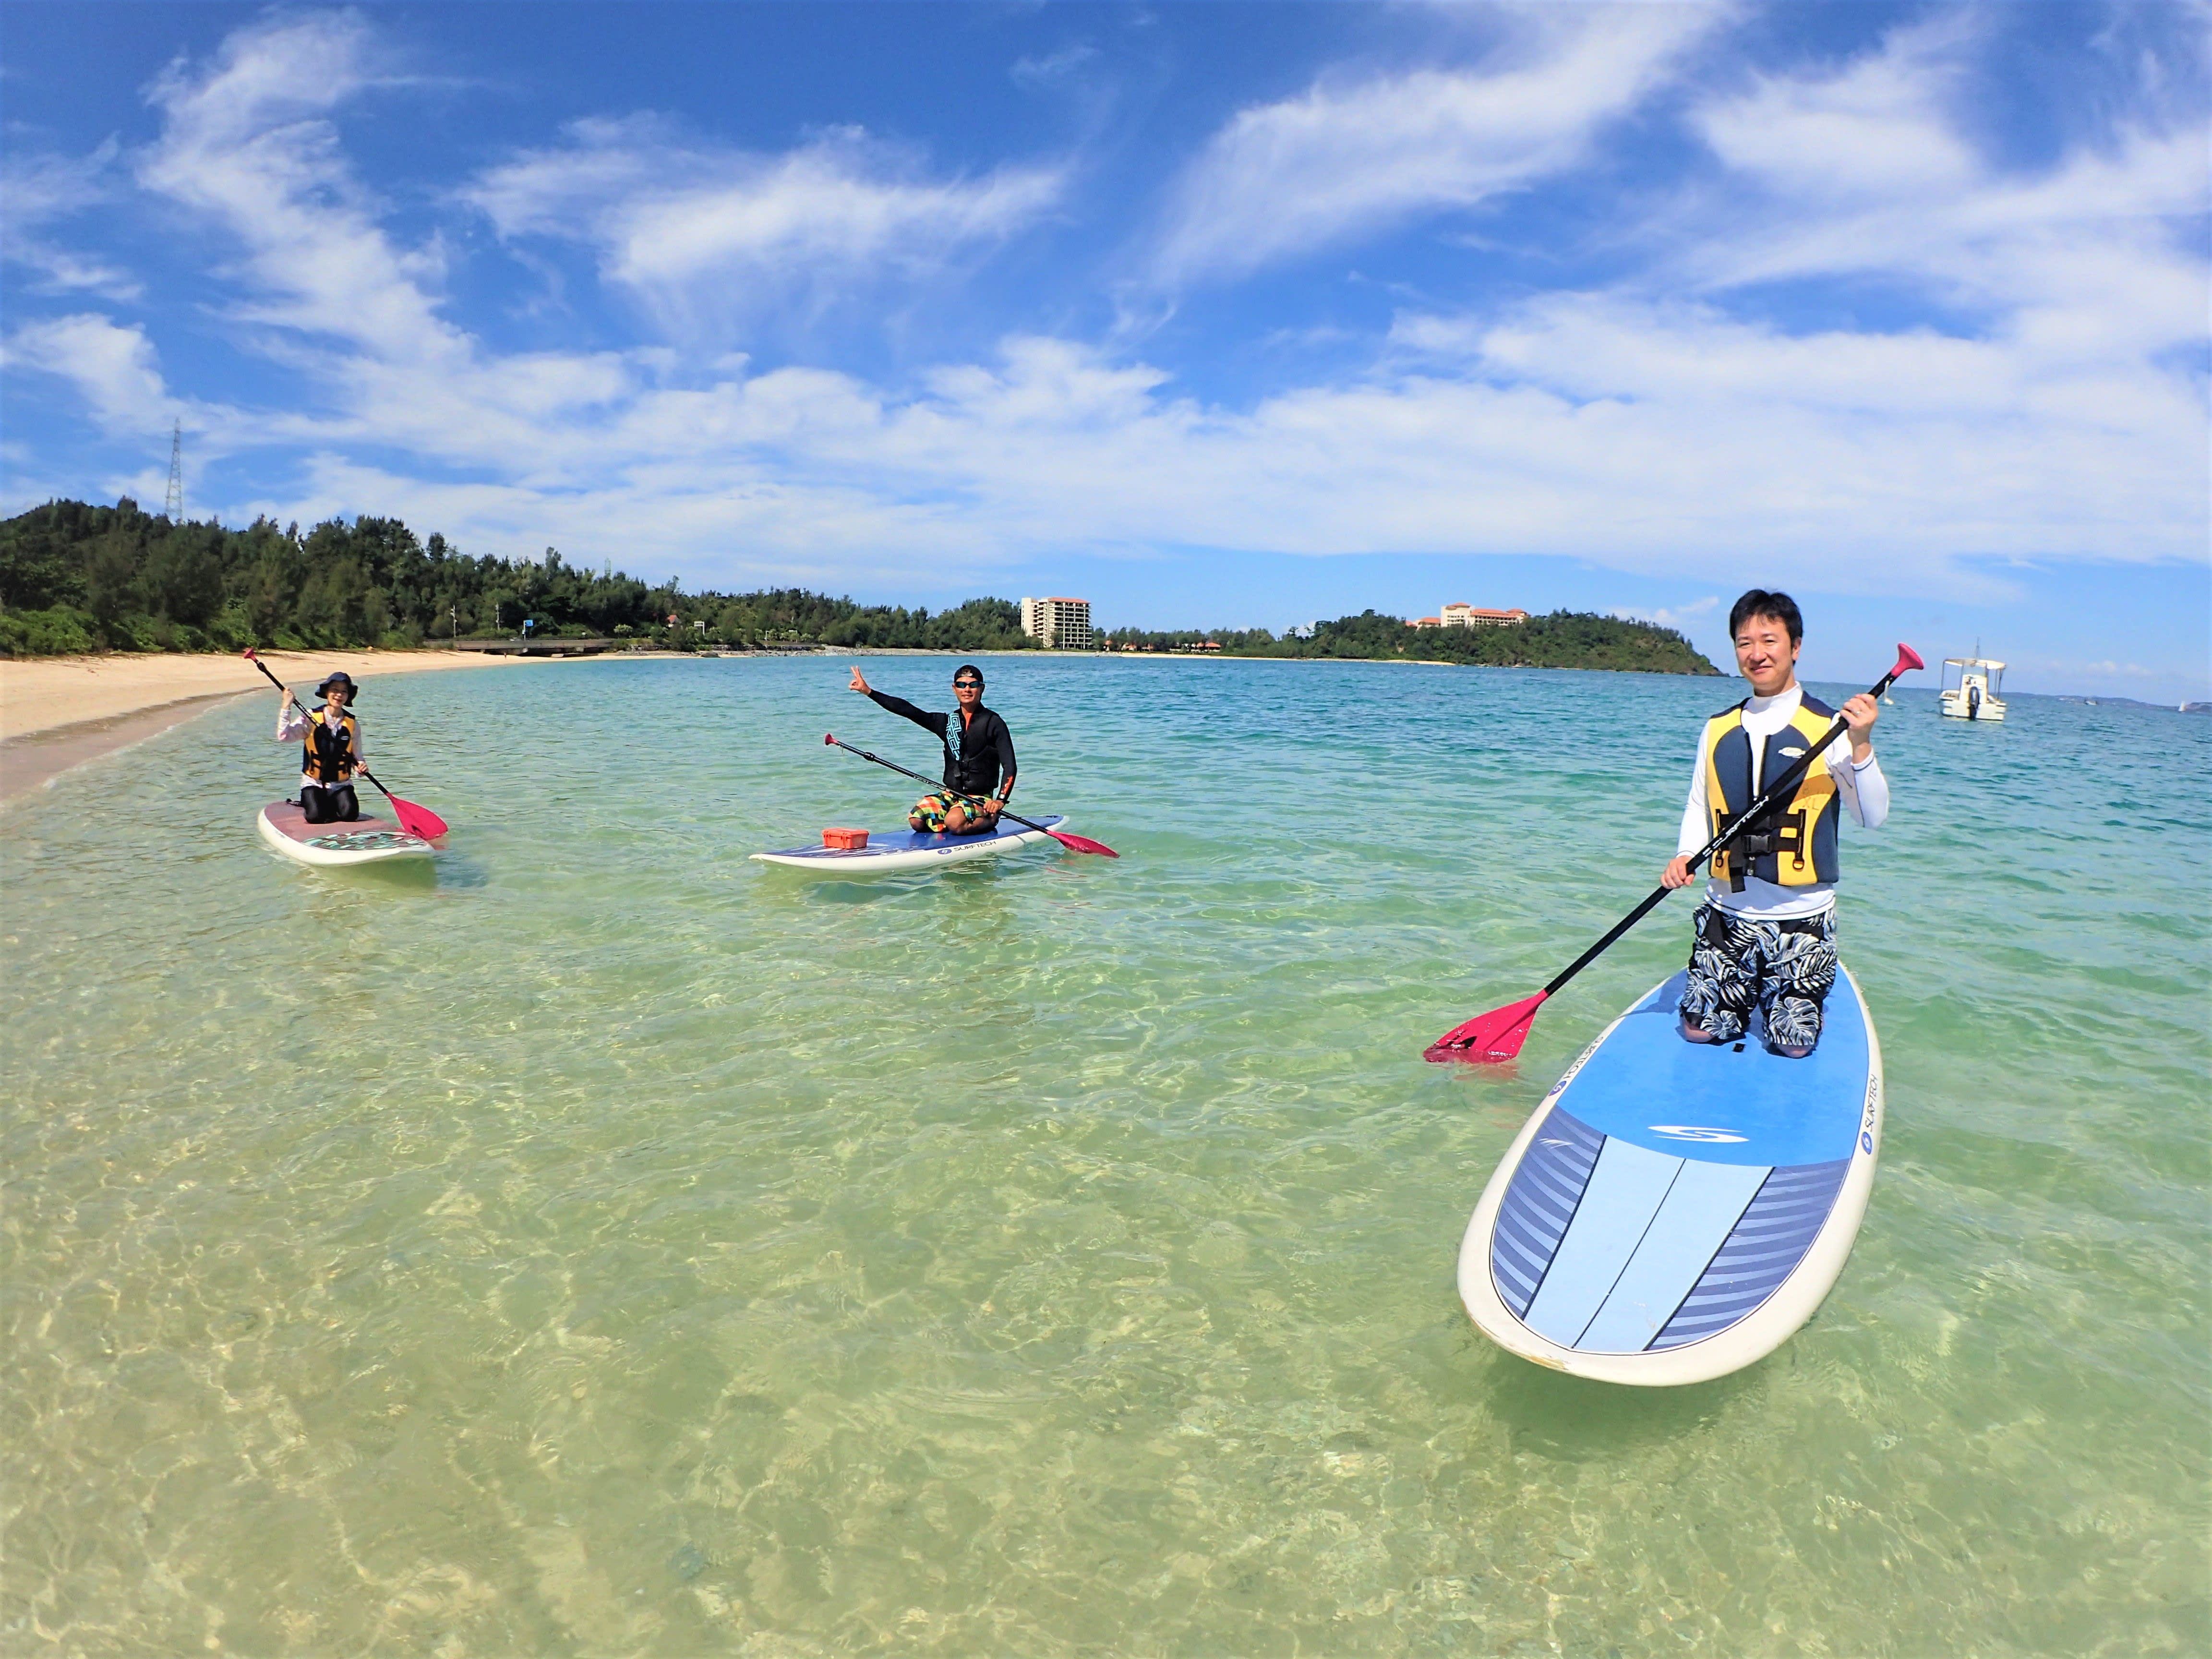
(78, 578)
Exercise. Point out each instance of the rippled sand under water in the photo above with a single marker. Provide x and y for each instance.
(610, 1246)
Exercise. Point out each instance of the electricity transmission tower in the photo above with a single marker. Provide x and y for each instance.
(174, 506)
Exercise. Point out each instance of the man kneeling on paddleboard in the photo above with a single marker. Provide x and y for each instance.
(1765, 936)
(978, 748)
(330, 751)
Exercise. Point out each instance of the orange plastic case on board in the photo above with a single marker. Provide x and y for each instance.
(845, 840)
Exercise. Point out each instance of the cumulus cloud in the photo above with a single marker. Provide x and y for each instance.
(1347, 158)
(696, 231)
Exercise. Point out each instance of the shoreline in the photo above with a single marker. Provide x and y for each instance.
(56, 712)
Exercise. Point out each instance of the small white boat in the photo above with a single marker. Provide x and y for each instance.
(1975, 696)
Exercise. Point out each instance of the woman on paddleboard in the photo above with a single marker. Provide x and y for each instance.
(979, 758)
(1765, 937)
(330, 751)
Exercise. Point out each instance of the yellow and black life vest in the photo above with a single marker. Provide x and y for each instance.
(1793, 844)
(327, 755)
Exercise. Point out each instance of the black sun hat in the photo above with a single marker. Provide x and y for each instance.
(339, 678)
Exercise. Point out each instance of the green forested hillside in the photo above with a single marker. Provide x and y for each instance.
(75, 577)
(1565, 639)
(80, 578)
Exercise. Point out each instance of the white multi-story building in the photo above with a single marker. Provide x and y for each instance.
(1058, 624)
(1460, 613)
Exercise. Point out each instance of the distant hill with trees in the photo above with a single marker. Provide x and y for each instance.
(75, 578)
(1565, 639)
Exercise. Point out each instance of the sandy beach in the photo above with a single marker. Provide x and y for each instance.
(58, 712)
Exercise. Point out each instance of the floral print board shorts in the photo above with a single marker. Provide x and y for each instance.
(928, 813)
(1782, 969)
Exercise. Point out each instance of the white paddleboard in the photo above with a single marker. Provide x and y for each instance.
(365, 841)
(907, 849)
(1674, 1211)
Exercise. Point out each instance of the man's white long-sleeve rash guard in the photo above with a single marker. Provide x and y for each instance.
(1863, 791)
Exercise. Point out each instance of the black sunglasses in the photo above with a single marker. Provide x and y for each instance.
(967, 685)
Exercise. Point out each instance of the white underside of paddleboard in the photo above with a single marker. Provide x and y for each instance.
(330, 846)
(906, 850)
(1685, 1218)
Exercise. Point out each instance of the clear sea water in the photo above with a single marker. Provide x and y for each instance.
(610, 1246)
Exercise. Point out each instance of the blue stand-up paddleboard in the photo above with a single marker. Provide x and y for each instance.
(1674, 1211)
(907, 849)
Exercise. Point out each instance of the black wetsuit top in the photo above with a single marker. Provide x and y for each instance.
(985, 748)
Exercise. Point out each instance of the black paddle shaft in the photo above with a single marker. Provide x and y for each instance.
(303, 709)
(920, 778)
(1780, 787)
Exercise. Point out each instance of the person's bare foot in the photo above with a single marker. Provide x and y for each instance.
(1697, 1034)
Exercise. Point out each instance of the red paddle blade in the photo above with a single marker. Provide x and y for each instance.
(1907, 659)
(1082, 844)
(418, 820)
(1488, 1039)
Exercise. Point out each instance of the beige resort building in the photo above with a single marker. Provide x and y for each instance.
(1460, 613)
(1058, 624)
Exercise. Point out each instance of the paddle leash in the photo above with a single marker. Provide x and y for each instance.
(1496, 1037)
(1073, 843)
(415, 820)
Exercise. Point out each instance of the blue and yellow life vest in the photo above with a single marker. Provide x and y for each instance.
(327, 755)
(1794, 842)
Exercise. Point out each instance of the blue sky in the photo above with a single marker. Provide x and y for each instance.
(1218, 315)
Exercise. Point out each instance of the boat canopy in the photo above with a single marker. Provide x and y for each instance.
(1992, 671)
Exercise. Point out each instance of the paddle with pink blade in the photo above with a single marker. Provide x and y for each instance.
(1073, 843)
(415, 820)
(1495, 1037)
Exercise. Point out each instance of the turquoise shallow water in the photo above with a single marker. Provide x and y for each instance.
(612, 1246)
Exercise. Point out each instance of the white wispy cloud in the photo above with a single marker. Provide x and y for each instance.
(38, 190)
(245, 142)
(1869, 171)
(697, 231)
(1051, 68)
(1648, 426)
(1677, 616)
(1346, 158)
(2058, 421)
(113, 368)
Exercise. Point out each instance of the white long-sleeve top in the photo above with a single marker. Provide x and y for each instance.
(1861, 789)
(292, 728)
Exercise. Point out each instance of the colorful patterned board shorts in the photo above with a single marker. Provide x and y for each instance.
(1784, 968)
(928, 814)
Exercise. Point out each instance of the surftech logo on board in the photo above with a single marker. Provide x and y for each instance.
(1692, 1131)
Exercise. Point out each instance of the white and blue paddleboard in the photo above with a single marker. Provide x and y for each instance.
(907, 849)
(1674, 1211)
